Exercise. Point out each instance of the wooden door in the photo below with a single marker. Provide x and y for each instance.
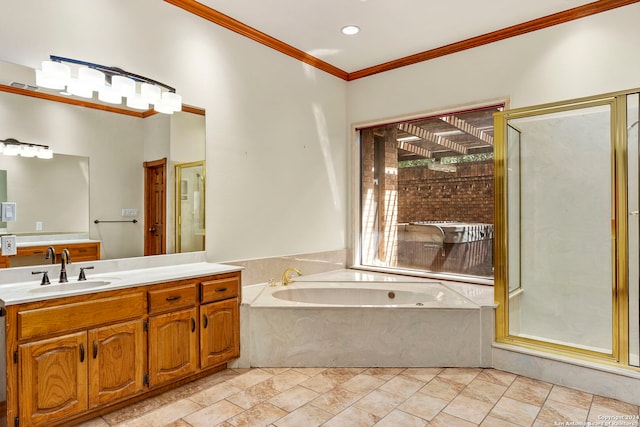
(155, 207)
(52, 379)
(116, 361)
(173, 346)
(220, 335)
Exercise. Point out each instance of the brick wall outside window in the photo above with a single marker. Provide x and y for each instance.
(465, 195)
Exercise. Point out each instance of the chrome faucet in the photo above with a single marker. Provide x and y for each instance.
(286, 276)
(51, 254)
(65, 259)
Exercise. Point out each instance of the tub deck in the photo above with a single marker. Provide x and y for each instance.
(458, 332)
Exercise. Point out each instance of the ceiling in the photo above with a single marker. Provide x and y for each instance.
(390, 29)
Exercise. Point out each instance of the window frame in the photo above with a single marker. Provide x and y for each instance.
(355, 196)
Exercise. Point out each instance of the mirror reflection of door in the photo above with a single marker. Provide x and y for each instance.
(155, 207)
(190, 213)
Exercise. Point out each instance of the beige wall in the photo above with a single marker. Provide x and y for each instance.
(276, 128)
(584, 57)
(38, 187)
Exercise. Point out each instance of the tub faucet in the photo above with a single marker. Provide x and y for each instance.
(286, 276)
(50, 254)
(65, 259)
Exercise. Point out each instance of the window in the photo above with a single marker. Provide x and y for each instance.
(427, 194)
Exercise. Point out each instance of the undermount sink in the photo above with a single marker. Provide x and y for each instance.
(71, 286)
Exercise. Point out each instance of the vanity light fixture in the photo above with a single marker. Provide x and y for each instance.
(350, 30)
(13, 147)
(111, 83)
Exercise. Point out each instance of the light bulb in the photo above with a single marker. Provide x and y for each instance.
(44, 153)
(11, 150)
(151, 93)
(172, 100)
(79, 88)
(123, 85)
(109, 96)
(54, 74)
(91, 77)
(28, 151)
(137, 102)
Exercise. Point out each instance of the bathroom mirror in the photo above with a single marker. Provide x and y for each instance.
(31, 183)
(110, 149)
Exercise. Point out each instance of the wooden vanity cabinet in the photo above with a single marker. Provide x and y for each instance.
(62, 375)
(173, 333)
(53, 379)
(116, 356)
(70, 357)
(219, 317)
(85, 251)
(66, 375)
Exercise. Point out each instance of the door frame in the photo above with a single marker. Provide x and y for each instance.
(619, 356)
(148, 193)
(178, 207)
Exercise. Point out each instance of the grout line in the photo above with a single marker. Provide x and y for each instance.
(401, 374)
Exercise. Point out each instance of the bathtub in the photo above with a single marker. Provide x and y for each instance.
(385, 321)
(362, 294)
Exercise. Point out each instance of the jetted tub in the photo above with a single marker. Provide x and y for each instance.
(363, 294)
(383, 321)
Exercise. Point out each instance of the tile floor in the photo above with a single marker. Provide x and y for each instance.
(381, 397)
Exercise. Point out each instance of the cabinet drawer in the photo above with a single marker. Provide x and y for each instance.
(219, 289)
(78, 251)
(172, 298)
(87, 252)
(50, 320)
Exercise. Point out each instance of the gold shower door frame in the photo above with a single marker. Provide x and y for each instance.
(620, 291)
(179, 193)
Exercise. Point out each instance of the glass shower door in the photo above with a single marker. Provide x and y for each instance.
(190, 214)
(562, 254)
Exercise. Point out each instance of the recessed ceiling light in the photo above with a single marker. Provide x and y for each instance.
(350, 30)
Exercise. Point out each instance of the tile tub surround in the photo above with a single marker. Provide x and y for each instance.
(260, 270)
(381, 397)
(291, 334)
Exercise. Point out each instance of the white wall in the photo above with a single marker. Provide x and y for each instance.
(40, 187)
(276, 129)
(585, 57)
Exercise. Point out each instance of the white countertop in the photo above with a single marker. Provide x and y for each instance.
(16, 293)
(54, 242)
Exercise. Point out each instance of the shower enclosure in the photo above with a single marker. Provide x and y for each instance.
(190, 211)
(567, 227)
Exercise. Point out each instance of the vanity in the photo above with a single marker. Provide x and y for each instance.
(31, 250)
(78, 349)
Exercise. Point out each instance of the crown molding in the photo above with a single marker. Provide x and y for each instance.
(494, 36)
(236, 26)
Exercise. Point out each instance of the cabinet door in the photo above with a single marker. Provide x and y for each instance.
(116, 361)
(220, 335)
(173, 346)
(52, 379)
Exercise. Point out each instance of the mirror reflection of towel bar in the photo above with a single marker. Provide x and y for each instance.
(97, 221)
